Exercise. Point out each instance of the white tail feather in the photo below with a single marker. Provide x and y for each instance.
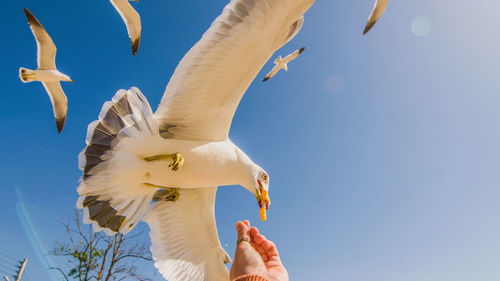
(26, 75)
(108, 205)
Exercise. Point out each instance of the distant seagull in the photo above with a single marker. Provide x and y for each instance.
(47, 72)
(282, 63)
(132, 21)
(377, 11)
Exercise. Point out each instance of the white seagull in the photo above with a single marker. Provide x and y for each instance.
(377, 11)
(282, 63)
(47, 72)
(132, 21)
(178, 156)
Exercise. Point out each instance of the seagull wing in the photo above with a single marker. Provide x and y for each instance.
(273, 72)
(293, 55)
(59, 102)
(185, 243)
(202, 96)
(132, 21)
(377, 11)
(46, 54)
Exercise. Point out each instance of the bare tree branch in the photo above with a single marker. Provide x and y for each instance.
(103, 263)
(95, 256)
(60, 271)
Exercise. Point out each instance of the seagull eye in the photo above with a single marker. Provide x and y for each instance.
(264, 177)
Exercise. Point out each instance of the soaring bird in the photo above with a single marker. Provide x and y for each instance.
(132, 21)
(282, 63)
(47, 72)
(178, 156)
(377, 11)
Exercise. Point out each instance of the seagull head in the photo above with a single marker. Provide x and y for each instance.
(261, 193)
(66, 78)
(255, 180)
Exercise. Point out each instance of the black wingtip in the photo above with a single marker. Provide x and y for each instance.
(60, 124)
(301, 50)
(31, 18)
(27, 13)
(368, 27)
(135, 45)
(265, 79)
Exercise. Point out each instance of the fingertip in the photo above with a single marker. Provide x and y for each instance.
(253, 231)
(240, 226)
(247, 222)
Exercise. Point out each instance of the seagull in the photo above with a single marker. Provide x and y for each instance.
(377, 11)
(166, 166)
(282, 63)
(47, 72)
(132, 21)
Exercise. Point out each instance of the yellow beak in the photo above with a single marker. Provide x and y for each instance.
(262, 205)
(263, 202)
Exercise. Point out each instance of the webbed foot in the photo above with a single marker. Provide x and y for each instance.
(167, 194)
(177, 162)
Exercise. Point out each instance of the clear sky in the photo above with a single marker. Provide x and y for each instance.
(383, 150)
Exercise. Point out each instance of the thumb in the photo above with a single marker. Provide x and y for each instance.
(242, 231)
(241, 254)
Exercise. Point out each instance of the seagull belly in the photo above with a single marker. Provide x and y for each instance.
(47, 75)
(206, 164)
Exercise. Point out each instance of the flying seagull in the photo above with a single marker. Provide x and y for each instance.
(47, 72)
(132, 21)
(178, 156)
(282, 63)
(377, 11)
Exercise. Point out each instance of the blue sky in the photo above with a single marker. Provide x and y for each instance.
(383, 150)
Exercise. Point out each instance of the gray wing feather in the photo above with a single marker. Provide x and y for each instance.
(108, 205)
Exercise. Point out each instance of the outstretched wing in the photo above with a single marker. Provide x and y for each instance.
(293, 55)
(271, 73)
(202, 96)
(377, 11)
(59, 102)
(132, 21)
(46, 49)
(185, 244)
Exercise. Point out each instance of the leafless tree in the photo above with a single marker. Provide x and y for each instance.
(95, 256)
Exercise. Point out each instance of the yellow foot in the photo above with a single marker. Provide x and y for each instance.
(177, 160)
(167, 194)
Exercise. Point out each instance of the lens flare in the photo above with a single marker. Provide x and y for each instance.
(421, 26)
(33, 237)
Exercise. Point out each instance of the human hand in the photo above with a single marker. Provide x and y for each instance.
(255, 255)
